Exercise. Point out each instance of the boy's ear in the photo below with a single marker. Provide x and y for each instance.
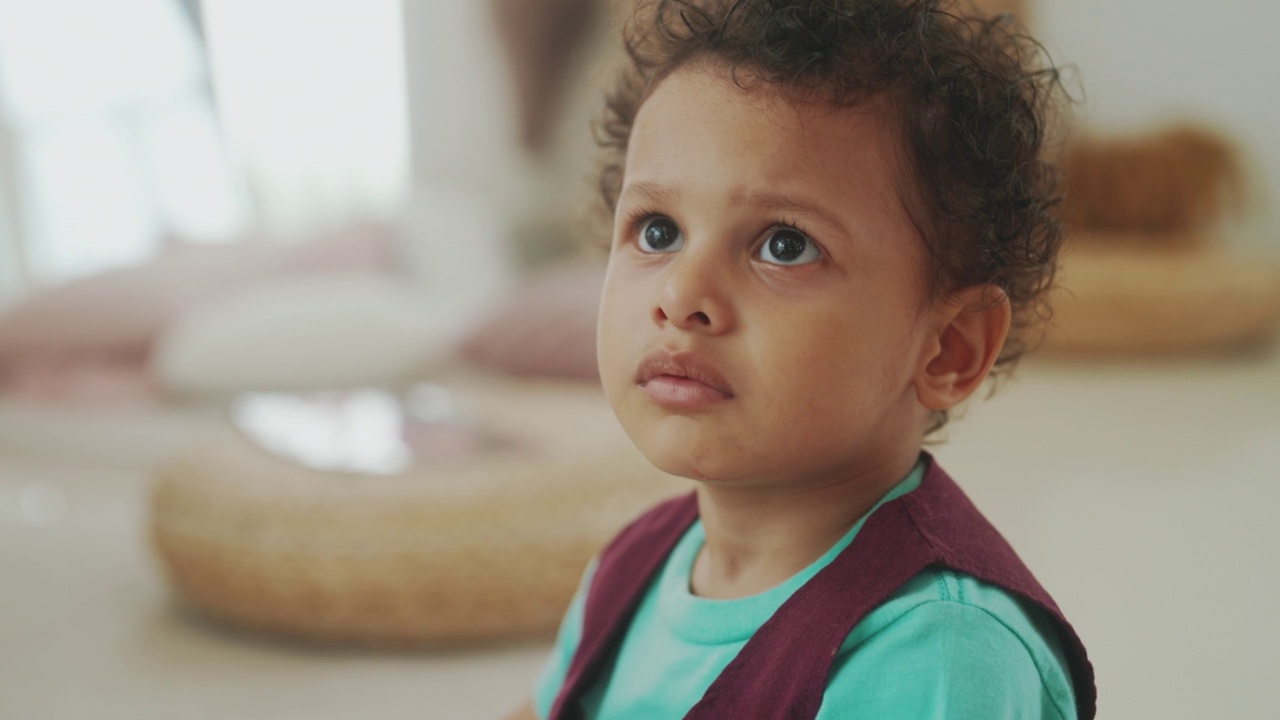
(970, 331)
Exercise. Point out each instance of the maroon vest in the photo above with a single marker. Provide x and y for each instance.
(782, 670)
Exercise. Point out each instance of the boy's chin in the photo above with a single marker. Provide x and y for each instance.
(676, 458)
(711, 468)
(697, 447)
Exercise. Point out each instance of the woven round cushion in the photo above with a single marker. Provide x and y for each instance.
(482, 549)
(1134, 300)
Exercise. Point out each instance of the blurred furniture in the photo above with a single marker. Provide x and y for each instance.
(369, 304)
(1144, 270)
(449, 262)
(458, 515)
(57, 341)
(1119, 300)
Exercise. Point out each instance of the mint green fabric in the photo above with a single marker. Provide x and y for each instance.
(944, 646)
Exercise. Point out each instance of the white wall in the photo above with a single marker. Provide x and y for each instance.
(463, 121)
(312, 103)
(461, 113)
(1147, 62)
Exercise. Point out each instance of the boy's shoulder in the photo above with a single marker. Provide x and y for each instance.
(938, 590)
(953, 619)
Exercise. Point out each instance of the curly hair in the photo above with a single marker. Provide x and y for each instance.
(973, 101)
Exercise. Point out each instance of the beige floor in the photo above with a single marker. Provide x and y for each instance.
(1145, 497)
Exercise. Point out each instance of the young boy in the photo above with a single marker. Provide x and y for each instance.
(831, 223)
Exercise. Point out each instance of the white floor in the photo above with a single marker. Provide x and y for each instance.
(1144, 495)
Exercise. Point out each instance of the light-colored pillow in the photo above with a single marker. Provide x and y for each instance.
(304, 334)
(344, 331)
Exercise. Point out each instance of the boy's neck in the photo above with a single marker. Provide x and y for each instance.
(758, 537)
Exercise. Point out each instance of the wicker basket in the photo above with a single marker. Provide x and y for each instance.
(1127, 299)
(486, 549)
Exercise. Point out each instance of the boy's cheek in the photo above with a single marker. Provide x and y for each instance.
(609, 356)
(615, 354)
(623, 310)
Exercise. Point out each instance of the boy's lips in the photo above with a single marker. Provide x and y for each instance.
(681, 380)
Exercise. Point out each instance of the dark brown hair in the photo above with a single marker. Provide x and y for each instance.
(971, 98)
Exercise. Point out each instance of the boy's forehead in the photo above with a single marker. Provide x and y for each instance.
(707, 90)
(760, 118)
(758, 141)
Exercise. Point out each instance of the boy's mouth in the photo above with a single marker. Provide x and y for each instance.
(681, 380)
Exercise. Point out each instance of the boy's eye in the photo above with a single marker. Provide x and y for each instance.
(785, 246)
(660, 235)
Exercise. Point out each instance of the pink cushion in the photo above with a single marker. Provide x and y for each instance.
(83, 379)
(122, 311)
(546, 328)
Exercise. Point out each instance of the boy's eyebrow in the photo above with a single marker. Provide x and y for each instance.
(776, 200)
(768, 199)
(650, 190)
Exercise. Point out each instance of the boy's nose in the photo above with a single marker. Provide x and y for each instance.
(691, 296)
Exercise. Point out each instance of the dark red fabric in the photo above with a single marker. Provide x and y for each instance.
(782, 670)
(626, 566)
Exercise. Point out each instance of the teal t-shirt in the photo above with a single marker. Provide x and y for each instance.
(944, 646)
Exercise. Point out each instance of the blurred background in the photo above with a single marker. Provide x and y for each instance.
(298, 406)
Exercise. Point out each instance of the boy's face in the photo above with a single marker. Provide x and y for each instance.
(763, 314)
